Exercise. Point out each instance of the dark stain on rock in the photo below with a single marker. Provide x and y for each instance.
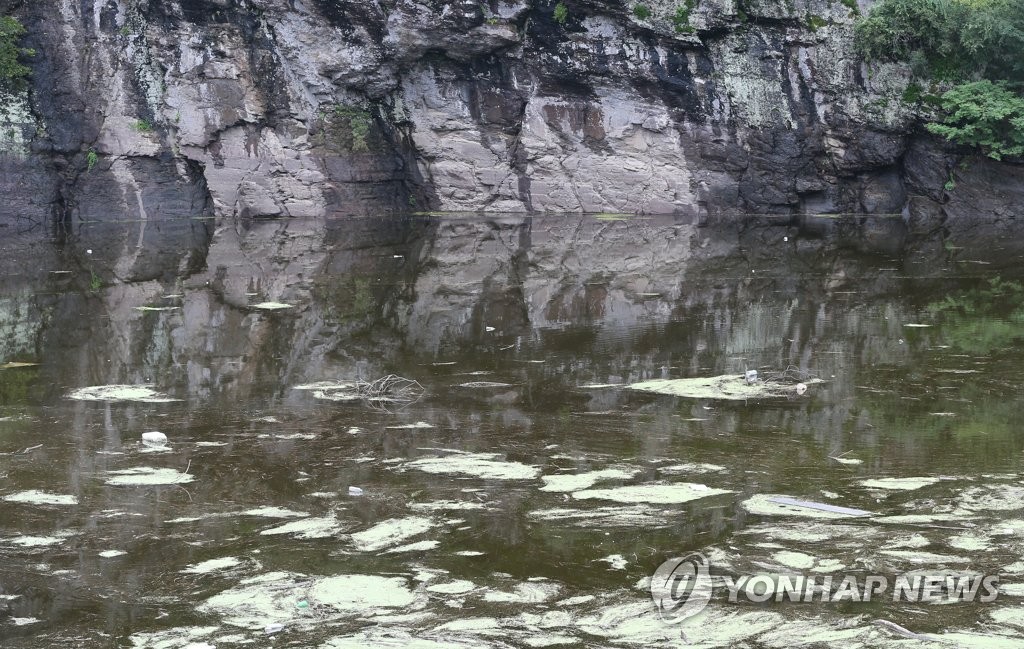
(581, 117)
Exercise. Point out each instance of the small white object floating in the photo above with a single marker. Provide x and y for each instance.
(751, 376)
(155, 439)
(355, 491)
(271, 629)
(271, 306)
(801, 388)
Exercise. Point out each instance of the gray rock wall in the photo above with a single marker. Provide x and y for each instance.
(228, 112)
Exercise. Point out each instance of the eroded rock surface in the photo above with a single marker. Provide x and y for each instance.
(250, 109)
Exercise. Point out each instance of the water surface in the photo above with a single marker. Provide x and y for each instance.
(522, 333)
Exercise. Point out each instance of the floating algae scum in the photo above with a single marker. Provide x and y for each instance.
(406, 474)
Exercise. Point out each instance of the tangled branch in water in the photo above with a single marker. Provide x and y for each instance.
(390, 389)
(790, 376)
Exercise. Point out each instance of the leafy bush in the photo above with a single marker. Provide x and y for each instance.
(642, 11)
(681, 18)
(978, 44)
(12, 72)
(947, 39)
(986, 115)
(561, 13)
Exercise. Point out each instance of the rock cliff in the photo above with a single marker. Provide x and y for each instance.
(221, 114)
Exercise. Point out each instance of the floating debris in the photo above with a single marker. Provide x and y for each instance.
(111, 554)
(850, 461)
(825, 507)
(308, 528)
(154, 439)
(662, 494)
(479, 465)
(36, 541)
(639, 516)
(391, 532)
(35, 497)
(917, 556)
(483, 385)
(272, 512)
(362, 593)
(794, 560)
(213, 565)
(915, 325)
(779, 505)
(326, 385)
(355, 491)
(15, 365)
(336, 395)
(257, 601)
(287, 436)
(690, 467)
(577, 481)
(899, 484)
(727, 386)
(525, 593)
(387, 389)
(457, 587)
(615, 561)
(143, 393)
(144, 476)
(157, 308)
(271, 306)
(419, 546)
(417, 425)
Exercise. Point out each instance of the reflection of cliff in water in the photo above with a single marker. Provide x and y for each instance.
(366, 293)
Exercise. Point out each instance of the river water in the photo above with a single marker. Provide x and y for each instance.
(514, 492)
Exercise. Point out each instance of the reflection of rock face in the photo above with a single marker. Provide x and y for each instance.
(363, 289)
(266, 108)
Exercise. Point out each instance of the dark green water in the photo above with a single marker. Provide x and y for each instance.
(457, 539)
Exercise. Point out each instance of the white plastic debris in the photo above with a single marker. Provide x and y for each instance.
(355, 491)
(801, 388)
(751, 376)
(271, 629)
(155, 439)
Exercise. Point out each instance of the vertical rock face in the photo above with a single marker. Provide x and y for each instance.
(229, 112)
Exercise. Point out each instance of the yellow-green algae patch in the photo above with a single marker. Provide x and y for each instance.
(726, 386)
